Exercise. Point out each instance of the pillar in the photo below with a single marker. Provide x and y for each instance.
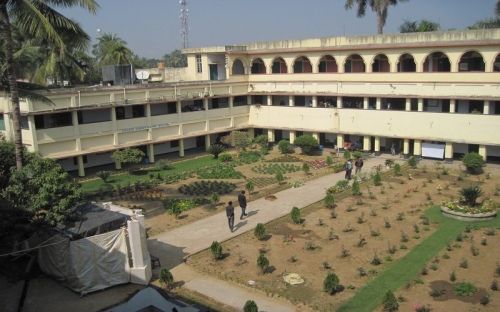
(377, 145)
(291, 101)
(207, 142)
(205, 104)
(420, 105)
(448, 151)
(181, 148)
(293, 134)
(367, 143)
(340, 141)
(483, 151)
(408, 105)
(140, 271)
(249, 100)
(231, 101)
(453, 105)
(379, 104)
(406, 147)
(81, 167)
(151, 153)
(365, 102)
(486, 109)
(118, 165)
(270, 135)
(339, 102)
(269, 100)
(316, 136)
(417, 148)
(314, 101)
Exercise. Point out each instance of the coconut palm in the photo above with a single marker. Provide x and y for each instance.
(415, 26)
(497, 8)
(380, 7)
(38, 19)
(111, 49)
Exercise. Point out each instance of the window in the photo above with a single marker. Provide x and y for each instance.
(94, 116)
(134, 111)
(174, 143)
(163, 108)
(199, 67)
(48, 121)
(2, 122)
(24, 123)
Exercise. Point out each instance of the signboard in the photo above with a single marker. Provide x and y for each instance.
(433, 150)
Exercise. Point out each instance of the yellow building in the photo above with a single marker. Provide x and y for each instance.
(418, 93)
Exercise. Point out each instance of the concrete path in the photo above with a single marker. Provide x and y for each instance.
(173, 246)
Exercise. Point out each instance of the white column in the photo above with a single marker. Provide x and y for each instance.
(417, 147)
(207, 142)
(270, 135)
(140, 272)
(115, 127)
(339, 102)
(486, 109)
(291, 101)
(408, 105)
(205, 104)
(118, 165)
(314, 101)
(151, 153)
(292, 136)
(448, 151)
(340, 141)
(269, 100)
(81, 166)
(406, 147)
(483, 151)
(76, 129)
(453, 105)
(181, 148)
(316, 136)
(420, 104)
(32, 131)
(231, 101)
(249, 99)
(377, 145)
(367, 143)
(378, 105)
(366, 102)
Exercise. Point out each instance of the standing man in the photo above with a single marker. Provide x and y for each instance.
(348, 169)
(230, 215)
(242, 200)
(359, 164)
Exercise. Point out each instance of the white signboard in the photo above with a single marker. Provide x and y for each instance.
(433, 150)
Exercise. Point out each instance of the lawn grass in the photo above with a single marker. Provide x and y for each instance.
(93, 186)
(408, 267)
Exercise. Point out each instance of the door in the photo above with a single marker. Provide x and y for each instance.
(214, 75)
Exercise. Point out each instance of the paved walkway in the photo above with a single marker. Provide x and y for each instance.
(172, 246)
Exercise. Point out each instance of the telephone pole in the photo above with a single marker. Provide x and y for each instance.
(184, 13)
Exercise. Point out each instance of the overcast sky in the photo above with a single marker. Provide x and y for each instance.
(151, 27)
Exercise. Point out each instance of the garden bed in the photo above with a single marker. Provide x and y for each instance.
(468, 216)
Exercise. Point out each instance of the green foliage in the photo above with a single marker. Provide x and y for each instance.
(340, 186)
(216, 249)
(219, 171)
(390, 302)
(397, 170)
(306, 168)
(273, 168)
(249, 157)
(464, 289)
(261, 140)
(260, 231)
(176, 206)
(263, 263)
(249, 186)
(7, 161)
(163, 164)
(377, 178)
(418, 26)
(166, 278)
(329, 160)
(285, 147)
(225, 157)
(329, 200)
(241, 139)
(215, 198)
(175, 59)
(250, 306)
(331, 284)
(216, 149)
(279, 177)
(43, 190)
(104, 175)
(307, 143)
(412, 162)
(357, 154)
(356, 189)
(473, 162)
(295, 215)
(128, 156)
(347, 155)
(470, 194)
(199, 188)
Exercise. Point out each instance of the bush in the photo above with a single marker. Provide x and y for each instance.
(470, 194)
(162, 164)
(412, 162)
(285, 147)
(215, 198)
(307, 143)
(249, 157)
(104, 175)
(473, 162)
(357, 154)
(219, 171)
(225, 157)
(261, 140)
(397, 170)
(260, 231)
(205, 188)
(249, 186)
(306, 168)
(390, 302)
(166, 278)
(263, 263)
(329, 201)
(216, 249)
(295, 215)
(377, 178)
(250, 305)
(329, 160)
(128, 156)
(464, 289)
(216, 149)
(347, 155)
(331, 284)
(356, 190)
(279, 177)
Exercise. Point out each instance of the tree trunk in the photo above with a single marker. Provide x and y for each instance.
(380, 24)
(6, 35)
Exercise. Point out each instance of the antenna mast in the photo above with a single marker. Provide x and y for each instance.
(184, 23)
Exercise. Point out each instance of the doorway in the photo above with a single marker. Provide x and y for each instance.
(214, 74)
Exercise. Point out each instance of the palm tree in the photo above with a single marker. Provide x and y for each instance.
(415, 26)
(380, 7)
(111, 49)
(497, 8)
(38, 19)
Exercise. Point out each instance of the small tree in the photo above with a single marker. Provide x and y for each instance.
(128, 156)
(215, 199)
(390, 302)
(260, 231)
(397, 169)
(377, 178)
(261, 140)
(331, 284)
(307, 143)
(166, 278)
(249, 186)
(412, 162)
(306, 168)
(163, 164)
(329, 200)
(470, 195)
(263, 263)
(279, 177)
(216, 249)
(216, 149)
(241, 140)
(104, 175)
(356, 189)
(473, 162)
(295, 215)
(285, 147)
(329, 160)
(250, 306)
(347, 155)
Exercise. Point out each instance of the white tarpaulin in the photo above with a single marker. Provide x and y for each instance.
(433, 150)
(88, 264)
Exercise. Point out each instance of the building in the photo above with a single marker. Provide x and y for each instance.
(377, 92)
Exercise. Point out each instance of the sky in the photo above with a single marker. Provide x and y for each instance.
(151, 28)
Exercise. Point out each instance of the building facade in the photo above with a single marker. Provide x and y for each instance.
(374, 92)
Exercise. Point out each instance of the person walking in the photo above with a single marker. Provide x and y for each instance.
(358, 164)
(230, 215)
(348, 169)
(242, 200)
(393, 149)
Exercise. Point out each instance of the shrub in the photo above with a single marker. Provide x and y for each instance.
(307, 143)
(215, 199)
(241, 139)
(104, 175)
(306, 168)
(216, 249)
(376, 260)
(473, 162)
(356, 190)
(470, 194)
(261, 140)
(263, 263)
(453, 276)
(357, 154)
(249, 186)
(397, 170)
(219, 171)
(412, 161)
(329, 160)
(390, 302)
(249, 157)
(464, 264)
(250, 305)
(331, 284)
(464, 289)
(206, 188)
(494, 285)
(377, 178)
(216, 149)
(329, 201)
(225, 157)
(485, 299)
(295, 215)
(163, 164)
(347, 155)
(128, 156)
(166, 278)
(260, 231)
(279, 177)
(285, 147)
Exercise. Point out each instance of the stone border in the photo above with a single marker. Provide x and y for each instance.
(467, 216)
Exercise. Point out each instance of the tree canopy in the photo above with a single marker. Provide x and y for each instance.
(418, 26)
(380, 7)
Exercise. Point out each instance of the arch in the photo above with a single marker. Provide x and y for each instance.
(354, 63)
(279, 66)
(471, 61)
(381, 64)
(327, 64)
(258, 66)
(406, 63)
(238, 67)
(496, 64)
(302, 65)
(437, 62)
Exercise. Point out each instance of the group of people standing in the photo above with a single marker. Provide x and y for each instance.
(358, 164)
(242, 201)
